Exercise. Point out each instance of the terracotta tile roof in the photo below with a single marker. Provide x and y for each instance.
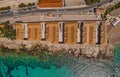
(50, 3)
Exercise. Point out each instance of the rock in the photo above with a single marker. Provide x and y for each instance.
(74, 50)
(77, 53)
(95, 53)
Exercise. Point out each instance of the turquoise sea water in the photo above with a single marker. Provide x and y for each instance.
(29, 66)
(117, 55)
(40, 72)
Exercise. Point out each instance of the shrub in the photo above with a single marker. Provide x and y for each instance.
(8, 31)
(22, 5)
(5, 8)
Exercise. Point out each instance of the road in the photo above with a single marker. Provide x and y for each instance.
(77, 9)
(57, 10)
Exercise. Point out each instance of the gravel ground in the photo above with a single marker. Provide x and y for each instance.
(114, 35)
(74, 2)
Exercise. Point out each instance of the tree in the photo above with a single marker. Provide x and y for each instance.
(29, 4)
(39, 0)
(22, 5)
(5, 8)
(8, 31)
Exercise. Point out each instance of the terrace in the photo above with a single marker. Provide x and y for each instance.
(70, 32)
(52, 32)
(34, 31)
(91, 35)
(88, 33)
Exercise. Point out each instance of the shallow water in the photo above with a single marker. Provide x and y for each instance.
(40, 72)
(29, 66)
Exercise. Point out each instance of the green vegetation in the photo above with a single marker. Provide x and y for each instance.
(22, 5)
(110, 9)
(39, 1)
(89, 2)
(30, 4)
(5, 8)
(8, 31)
(26, 5)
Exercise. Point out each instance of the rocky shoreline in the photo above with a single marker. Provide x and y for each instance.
(76, 50)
